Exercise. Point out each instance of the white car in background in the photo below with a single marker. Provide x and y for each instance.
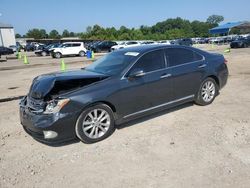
(148, 42)
(167, 42)
(68, 49)
(126, 44)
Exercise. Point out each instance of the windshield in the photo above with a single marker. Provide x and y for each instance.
(113, 63)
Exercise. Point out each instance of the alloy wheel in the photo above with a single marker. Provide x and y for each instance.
(208, 91)
(96, 123)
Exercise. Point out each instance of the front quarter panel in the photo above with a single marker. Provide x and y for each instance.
(104, 91)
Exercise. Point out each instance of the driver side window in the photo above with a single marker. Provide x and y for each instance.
(151, 61)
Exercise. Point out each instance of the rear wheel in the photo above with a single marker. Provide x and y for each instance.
(81, 53)
(207, 92)
(95, 124)
(44, 54)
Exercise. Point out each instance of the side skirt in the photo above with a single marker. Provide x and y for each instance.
(155, 109)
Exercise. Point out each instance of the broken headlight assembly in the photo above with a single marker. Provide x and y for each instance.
(55, 105)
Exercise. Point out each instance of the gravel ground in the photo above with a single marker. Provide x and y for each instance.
(188, 146)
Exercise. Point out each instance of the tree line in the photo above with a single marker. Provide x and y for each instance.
(171, 28)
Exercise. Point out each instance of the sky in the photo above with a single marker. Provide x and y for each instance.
(76, 15)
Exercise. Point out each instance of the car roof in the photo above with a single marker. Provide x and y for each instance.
(146, 48)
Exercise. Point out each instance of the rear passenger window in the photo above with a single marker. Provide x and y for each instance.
(151, 61)
(76, 44)
(67, 45)
(179, 56)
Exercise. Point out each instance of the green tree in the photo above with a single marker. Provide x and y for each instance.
(37, 33)
(65, 33)
(200, 29)
(89, 29)
(43, 34)
(18, 35)
(169, 29)
(54, 34)
(72, 34)
(215, 19)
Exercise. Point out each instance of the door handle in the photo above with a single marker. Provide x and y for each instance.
(202, 66)
(166, 75)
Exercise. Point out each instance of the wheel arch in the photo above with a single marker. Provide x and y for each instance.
(215, 78)
(109, 104)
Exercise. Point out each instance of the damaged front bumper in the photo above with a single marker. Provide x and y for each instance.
(48, 128)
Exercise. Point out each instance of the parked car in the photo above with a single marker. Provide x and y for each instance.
(19, 46)
(123, 85)
(5, 51)
(126, 44)
(69, 49)
(184, 42)
(13, 47)
(46, 50)
(199, 40)
(167, 42)
(104, 46)
(30, 47)
(92, 44)
(241, 43)
(147, 42)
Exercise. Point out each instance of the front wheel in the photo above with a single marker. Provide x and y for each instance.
(207, 92)
(58, 55)
(95, 124)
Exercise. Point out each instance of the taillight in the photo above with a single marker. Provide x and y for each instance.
(225, 61)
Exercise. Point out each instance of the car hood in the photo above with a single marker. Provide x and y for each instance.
(51, 85)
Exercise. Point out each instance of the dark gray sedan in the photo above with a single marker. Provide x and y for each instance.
(121, 86)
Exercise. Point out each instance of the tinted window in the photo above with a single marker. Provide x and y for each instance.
(66, 45)
(76, 44)
(178, 56)
(151, 61)
(130, 43)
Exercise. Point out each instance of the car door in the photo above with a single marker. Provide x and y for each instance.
(248, 41)
(66, 49)
(108, 45)
(75, 49)
(151, 89)
(187, 70)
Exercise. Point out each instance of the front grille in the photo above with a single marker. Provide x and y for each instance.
(35, 105)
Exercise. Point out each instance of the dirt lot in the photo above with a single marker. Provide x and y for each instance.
(189, 146)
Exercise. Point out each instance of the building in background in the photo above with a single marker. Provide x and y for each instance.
(7, 35)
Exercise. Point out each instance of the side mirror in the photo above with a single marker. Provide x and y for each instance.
(137, 73)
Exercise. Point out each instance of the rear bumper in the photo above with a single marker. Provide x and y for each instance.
(223, 77)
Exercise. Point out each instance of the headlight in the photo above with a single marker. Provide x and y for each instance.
(55, 106)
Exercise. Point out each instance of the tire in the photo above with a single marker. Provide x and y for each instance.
(44, 54)
(244, 46)
(206, 96)
(94, 130)
(58, 55)
(81, 53)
